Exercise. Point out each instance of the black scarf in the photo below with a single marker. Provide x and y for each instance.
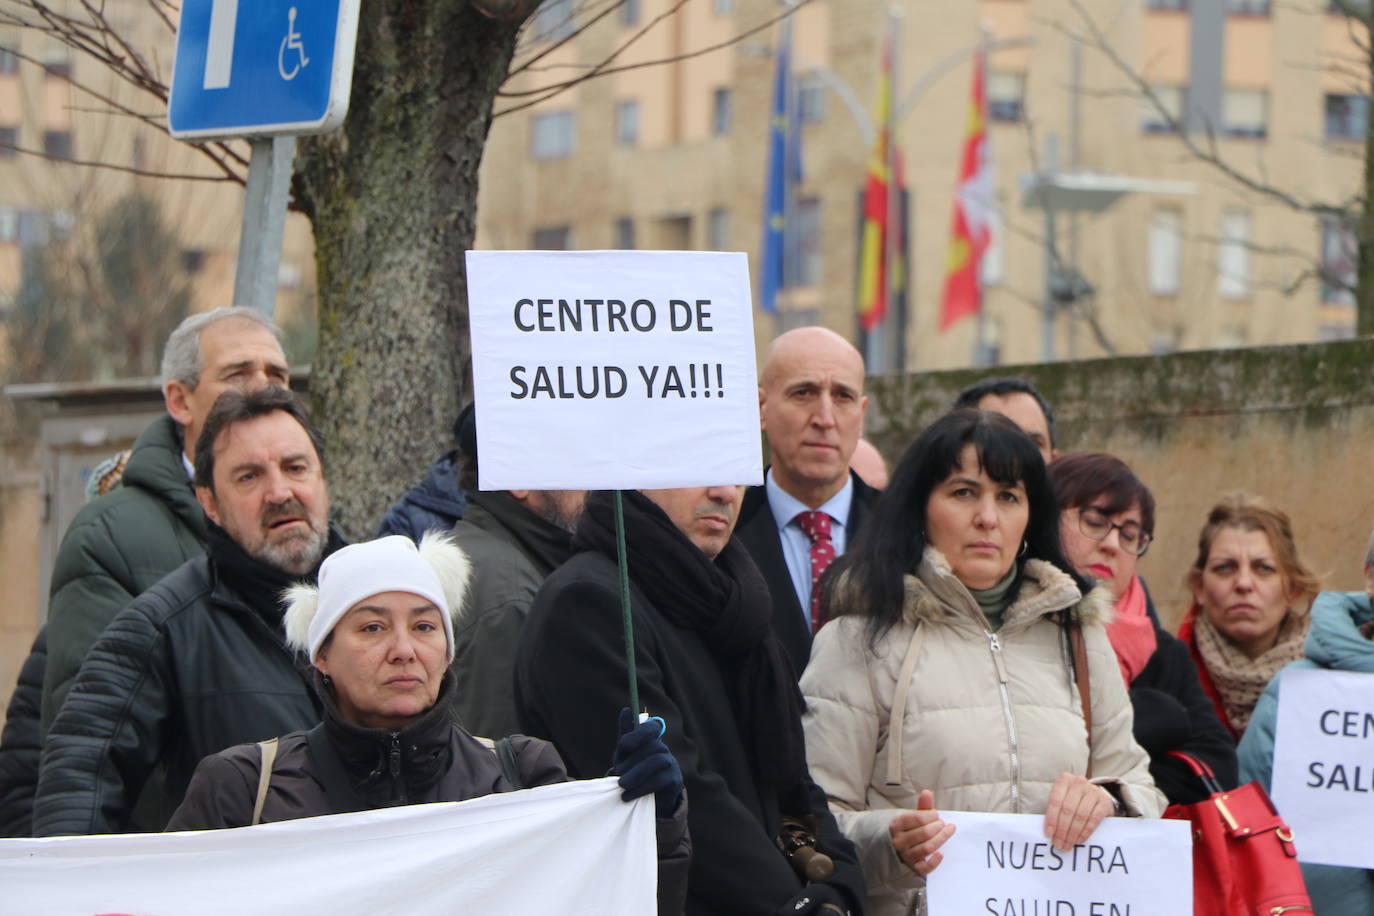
(259, 585)
(727, 602)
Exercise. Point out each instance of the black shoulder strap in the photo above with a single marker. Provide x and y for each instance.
(343, 798)
(510, 766)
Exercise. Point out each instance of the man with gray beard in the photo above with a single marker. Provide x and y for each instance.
(514, 539)
(198, 663)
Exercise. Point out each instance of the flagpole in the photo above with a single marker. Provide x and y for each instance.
(980, 348)
(789, 157)
(895, 325)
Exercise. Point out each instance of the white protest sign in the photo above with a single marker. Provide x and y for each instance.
(1003, 864)
(613, 369)
(568, 848)
(1323, 775)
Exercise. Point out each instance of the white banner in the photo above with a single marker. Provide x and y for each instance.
(1003, 864)
(1323, 776)
(613, 369)
(568, 848)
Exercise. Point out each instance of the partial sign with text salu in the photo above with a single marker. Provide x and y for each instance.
(1004, 865)
(1323, 776)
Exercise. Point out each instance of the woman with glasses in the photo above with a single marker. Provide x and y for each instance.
(951, 676)
(1106, 523)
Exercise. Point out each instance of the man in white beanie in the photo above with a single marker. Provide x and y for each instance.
(197, 662)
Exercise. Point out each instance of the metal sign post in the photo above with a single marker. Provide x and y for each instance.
(264, 221)
(267, 70)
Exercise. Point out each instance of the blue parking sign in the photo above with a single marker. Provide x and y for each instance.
(260, 67)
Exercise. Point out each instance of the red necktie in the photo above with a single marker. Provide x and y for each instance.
(816, 526)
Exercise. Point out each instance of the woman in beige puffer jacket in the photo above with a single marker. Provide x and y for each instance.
(948, 678)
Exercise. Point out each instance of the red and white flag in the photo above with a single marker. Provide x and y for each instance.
(974, 209)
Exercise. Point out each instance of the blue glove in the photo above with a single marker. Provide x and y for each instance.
(644, 764)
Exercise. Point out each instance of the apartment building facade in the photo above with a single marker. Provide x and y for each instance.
(674, 156)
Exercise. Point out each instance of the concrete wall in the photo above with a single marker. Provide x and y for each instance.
(1294, 424)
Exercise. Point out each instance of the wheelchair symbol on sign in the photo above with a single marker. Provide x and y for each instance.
(292, 42)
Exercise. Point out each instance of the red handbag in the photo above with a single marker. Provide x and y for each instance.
(1244, 861)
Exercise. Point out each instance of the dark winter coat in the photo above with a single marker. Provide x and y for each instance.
(512, 551)
(191, 667)
(115, 549)
(570, 679)
(337, 767)
(1173, 713)
(758, 531)
(21, 745)
(433, 504)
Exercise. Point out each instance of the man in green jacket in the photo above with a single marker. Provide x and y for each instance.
(121, 543)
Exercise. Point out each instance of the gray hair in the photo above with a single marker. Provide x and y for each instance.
(1369, 553)
(181, 358)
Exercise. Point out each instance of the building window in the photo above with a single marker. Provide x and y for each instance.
(554, 20)
(1245, 112)
(718, 229)
(810, 100)
(9, 61)
(57, 64)
(1233, 256)
(193, 260)
(138, 156)
(1166, 252)
(552, 135)
(1340, 253)
(629, 12)
(627, 123)
(57, 144)
(806, 261)
(60, 225)
(1247, 7)
(723, 7)
(553, 238)
(1347, 117)
(1171, 99)
(625, 233)
(9, 225)
(9, 140)
(1006, 95)
(1166, 5)
(720, 112)
(1348, 7)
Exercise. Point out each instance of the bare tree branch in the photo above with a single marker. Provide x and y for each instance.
(735, 39)
(115, 167)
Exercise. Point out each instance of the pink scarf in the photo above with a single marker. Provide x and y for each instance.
(1132, 633)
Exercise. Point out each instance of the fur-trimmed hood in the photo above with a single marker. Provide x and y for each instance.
(934, 594)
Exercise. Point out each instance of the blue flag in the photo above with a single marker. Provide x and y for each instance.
(772, 278)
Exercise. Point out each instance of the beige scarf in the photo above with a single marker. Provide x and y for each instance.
(1240, 680)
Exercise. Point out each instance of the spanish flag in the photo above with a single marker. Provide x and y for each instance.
(974, 201)
(877, 221)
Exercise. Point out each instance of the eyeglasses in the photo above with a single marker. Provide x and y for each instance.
(1097, 524)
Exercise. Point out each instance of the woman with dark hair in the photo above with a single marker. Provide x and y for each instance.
(1107, 522)
(949, 673)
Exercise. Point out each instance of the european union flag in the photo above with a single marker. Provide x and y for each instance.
(772, 277)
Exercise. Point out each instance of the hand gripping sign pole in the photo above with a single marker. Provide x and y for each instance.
(650, 350)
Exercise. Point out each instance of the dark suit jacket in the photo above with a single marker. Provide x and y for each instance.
(758, 531)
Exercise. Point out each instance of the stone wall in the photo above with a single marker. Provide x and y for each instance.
(1294, 424)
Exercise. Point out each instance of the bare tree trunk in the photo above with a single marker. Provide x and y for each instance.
(393, 201)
